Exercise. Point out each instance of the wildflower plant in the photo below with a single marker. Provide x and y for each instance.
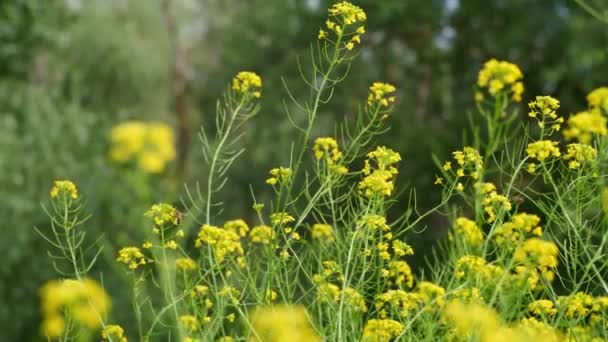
(327, 258)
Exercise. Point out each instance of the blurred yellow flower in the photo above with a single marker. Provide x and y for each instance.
(282, 323)
(149, 145)
(85, 302)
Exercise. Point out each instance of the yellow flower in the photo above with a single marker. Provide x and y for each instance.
(247, 83)
(132, 257)
(543, 107)
(163, 213)
(538, 254)
(281, 219)
(346, 19)
(438, 180)
(378, 180)
(472, 319)
(114, 332)
(64, 187)
(185, 264)
(578, 155)
(583, 126)
(520, 226)
(492, 202)
(469, 231)
(151, 145)
(400, 273)
(381, 330)
(576, 306)
(543, 149)
(322, 232)
(401, 248)
(374, 223)
(598, 98)
(189, 322)
(270, 296)
(431, 293)
(224, 242)
(398, 300)
(475, 267)
(281, 323)
(280, 175)
(328, 150)
(171, 244)
(262, 234)
(238, 226)
(84, 300)
(380, 94)
(542, 307)
(497, 76)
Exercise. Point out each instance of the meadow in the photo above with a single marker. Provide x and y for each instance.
(330, 242)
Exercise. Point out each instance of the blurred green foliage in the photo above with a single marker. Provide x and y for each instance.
(71, 69)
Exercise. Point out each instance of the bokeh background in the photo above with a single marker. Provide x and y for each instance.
(70, 70)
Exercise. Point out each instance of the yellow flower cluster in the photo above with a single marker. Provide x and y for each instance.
(482, 323)
(83, 301)
(230, 293)
(520, 226)
(501, 77)
(542, 150)
(400, 274)
(544, 110)
(239, 227)
(381, 330)
(224, 242)
(346, 21)
(401, 248)
(493, 203)
(331, 270)
(281, 218)
(378, 180)
(598, 98)
(466, 295)
(583, 126)
(150, 145)
(327, 149)
(475, 267)
(538, 254)
(398, 302)
(280, 323)
(64, 187)
(185, 264)
(247, 83)
(189, 322)
(132, 257)
(163, 214)
(578, 155)
(374, 223)
(379, 94)
(114, 333)
(542, 307)
(323, 232)
(262, 234)
(353, 299)
(280, 175)
(469, 231)
(469, 160)
(577, 305)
